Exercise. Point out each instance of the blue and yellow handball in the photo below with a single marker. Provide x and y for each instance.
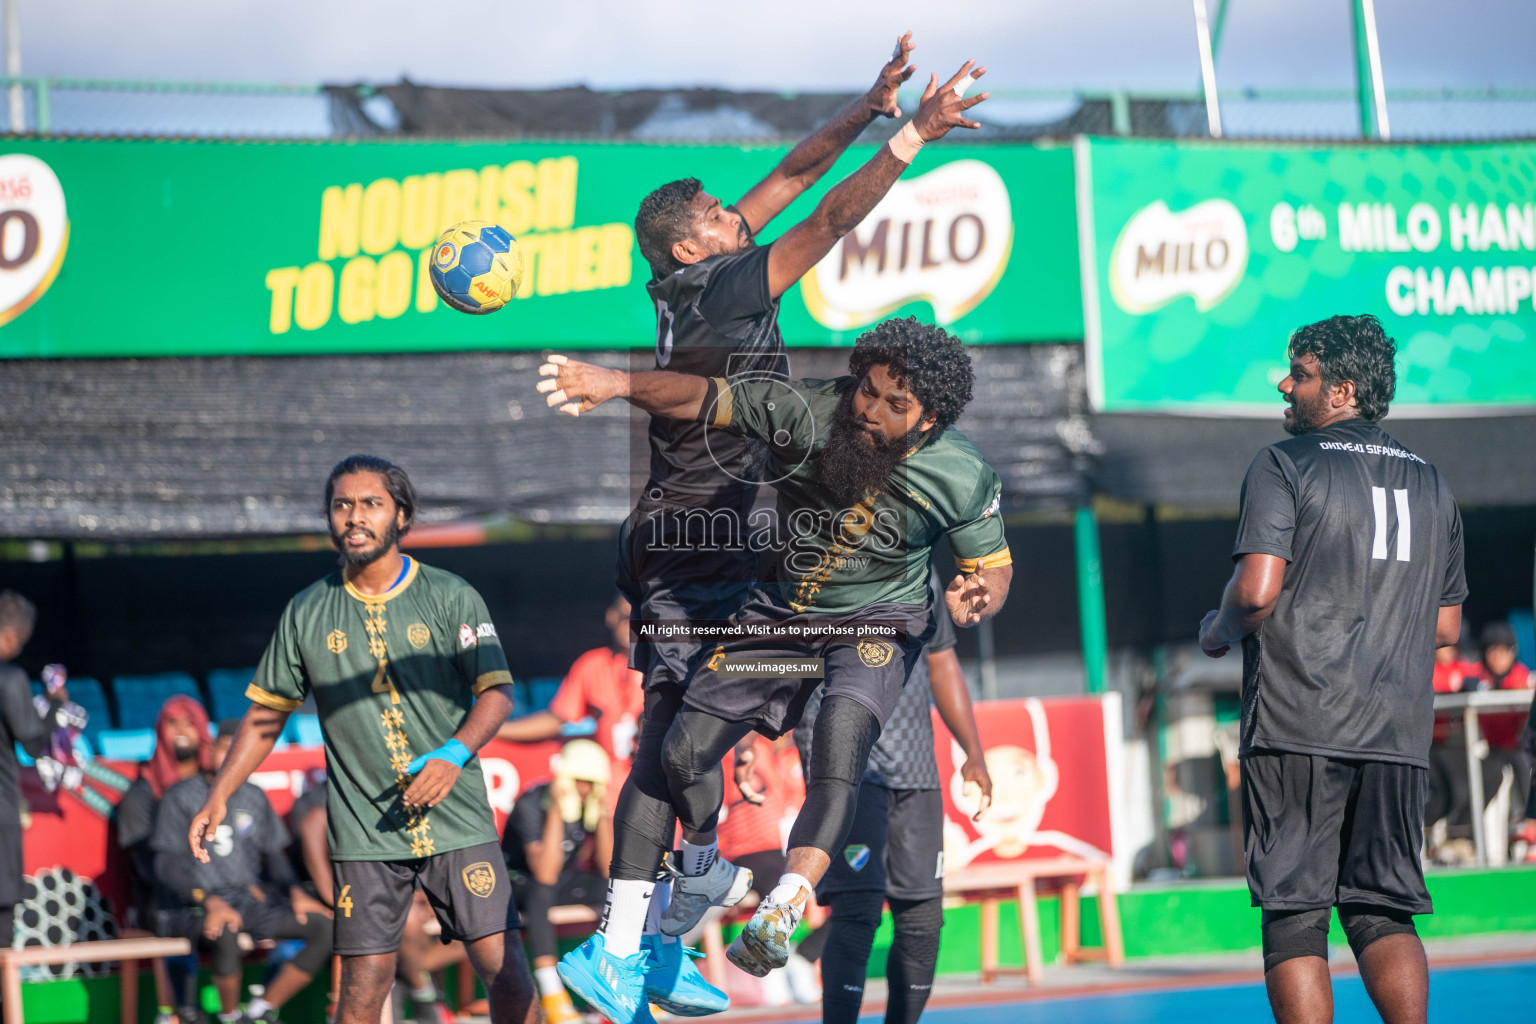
(477, 267)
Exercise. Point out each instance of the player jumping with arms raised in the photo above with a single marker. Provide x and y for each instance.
(717, 300)
(869, 473)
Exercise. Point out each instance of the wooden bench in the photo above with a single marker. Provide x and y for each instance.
(1019, 878)
(128, 951)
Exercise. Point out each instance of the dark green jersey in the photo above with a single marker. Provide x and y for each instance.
(834, 559)
(393, 677)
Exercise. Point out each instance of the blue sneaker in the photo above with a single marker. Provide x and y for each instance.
(614, 987)
(673, 983)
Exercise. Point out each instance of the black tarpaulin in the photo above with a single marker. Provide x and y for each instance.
(164, 448)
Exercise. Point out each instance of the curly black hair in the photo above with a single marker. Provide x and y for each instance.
(1353, 348)
(926, 360)
(664, 219)
(395, 482)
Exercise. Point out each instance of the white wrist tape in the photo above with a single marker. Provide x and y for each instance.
(905, 143)
(964, 84)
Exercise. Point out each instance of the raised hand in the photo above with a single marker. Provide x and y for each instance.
(742, 771)
(942, 108)
(967, 598)
(576, 387)
(882, 95)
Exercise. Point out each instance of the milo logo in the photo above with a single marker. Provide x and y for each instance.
(34, 232)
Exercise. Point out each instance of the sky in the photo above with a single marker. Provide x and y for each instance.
(805, 45)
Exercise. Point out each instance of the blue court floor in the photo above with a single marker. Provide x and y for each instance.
(1489, 993)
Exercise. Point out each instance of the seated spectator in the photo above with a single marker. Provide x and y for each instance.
(599, 685)
(1451, 671)
(420, 952)
(1499, 669)
(183, 748)
(248, 885)
(557, 844)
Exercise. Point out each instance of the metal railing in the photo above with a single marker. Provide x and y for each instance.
(93, 107)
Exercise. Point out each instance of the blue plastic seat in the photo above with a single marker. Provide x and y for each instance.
(127, 744)
(139, 697)
(1524, 625)
(541, 691)
(303, 730)
(226, 691)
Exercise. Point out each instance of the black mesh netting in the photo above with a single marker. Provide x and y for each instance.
(241, 446)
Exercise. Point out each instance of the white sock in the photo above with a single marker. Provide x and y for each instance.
(257, 1007)
(697, 860)
(230, 1017)
(426, 995)
(549, 981)
(791, 886)
(629, 900)
(661, 898)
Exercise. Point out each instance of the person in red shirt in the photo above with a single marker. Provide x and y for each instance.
(600, 685)
(1451, 672)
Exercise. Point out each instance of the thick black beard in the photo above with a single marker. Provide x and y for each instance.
(850, 466)
(1302, 421)
(366, 557)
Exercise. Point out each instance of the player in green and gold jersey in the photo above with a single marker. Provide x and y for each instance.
(870, 475)
(410, 680)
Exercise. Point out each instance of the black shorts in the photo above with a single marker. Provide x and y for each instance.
(870, 671)
(1318, 832)
(896, 845)
(666, 576)
(468, 889)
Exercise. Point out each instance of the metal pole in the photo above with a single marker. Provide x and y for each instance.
(1207, 69)
(1368, 81)
(1216, 29)
(1475, 782)
(13, 64)
(1090, 597)
(986, 655)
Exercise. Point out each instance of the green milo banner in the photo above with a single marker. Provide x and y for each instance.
(1200, 258)
(159, 248)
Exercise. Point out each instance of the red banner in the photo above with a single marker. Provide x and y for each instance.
(64, 831)
(1050, 761)
(1054, 764)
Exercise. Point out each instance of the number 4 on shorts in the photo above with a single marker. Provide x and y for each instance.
(344, 902)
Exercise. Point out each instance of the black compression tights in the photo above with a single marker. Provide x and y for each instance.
(914, 957)
(909, 966)
(643, 820)
(691, 758)
(845, 732)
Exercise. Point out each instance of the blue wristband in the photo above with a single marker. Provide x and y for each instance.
(454, 752)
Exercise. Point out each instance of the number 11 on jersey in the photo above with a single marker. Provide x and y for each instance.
(1404, 531)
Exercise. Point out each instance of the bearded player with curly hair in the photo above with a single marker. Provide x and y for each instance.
(870, 473)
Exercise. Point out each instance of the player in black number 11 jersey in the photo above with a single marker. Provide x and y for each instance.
(1349, 575)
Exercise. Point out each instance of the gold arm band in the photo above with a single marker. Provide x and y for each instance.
(257, 695)
(995, 560)
(490, 679)
(725, 403)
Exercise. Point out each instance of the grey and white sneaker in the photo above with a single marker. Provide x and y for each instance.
(723, 885)
(763, 944)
